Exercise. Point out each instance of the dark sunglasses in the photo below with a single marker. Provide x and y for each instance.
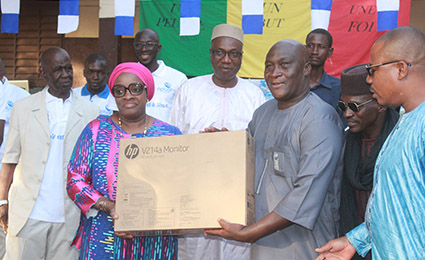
(135, 89)
(352, 105)
(369, 67)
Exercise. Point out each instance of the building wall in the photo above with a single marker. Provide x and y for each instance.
(37, 32)
(417, 18)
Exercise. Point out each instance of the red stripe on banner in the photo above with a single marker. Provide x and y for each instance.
(354, 31)
(404, 13)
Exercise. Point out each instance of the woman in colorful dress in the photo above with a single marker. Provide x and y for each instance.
(92, 171)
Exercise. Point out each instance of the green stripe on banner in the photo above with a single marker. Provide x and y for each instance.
(189, 54)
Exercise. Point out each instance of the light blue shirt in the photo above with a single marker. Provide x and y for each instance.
(394, 226)
(9, 94)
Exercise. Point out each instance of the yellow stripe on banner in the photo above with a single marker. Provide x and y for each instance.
(234, 12)
(283, 19)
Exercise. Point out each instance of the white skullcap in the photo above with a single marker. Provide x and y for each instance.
(227, 30)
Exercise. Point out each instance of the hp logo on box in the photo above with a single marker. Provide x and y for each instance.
(131, 151)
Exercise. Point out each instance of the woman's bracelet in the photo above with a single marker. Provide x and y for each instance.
(102, 204)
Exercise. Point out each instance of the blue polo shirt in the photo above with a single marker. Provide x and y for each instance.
(328, 89)
(104, 100)
(104, 94)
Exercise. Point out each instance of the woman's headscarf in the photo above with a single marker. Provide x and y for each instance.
(137, 69)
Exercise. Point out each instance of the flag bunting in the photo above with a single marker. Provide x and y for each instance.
(252, 16)
(320, 13)
(124, 17)
(387, 14)
(190, 14)
(68, 17)
(10, 16)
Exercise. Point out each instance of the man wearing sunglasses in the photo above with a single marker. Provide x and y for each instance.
(369, 125)
(216, 101)
(167, 80)
(394, 220)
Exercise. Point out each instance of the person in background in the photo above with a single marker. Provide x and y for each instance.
(299, 145)
(96, 72)
(319, 46)
(167, 80)
(369, 126)
(9, 94)
(40, 219)
(92, 170)
(394, 224)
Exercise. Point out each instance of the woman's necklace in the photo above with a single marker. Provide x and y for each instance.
(146, 125)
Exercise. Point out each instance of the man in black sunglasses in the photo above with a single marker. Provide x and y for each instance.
(394, 220)
(369, 125)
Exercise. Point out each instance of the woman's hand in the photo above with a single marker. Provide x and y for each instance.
(123, 235)
(106, 205)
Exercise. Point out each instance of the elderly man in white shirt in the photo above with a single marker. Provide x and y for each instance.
(40, 218)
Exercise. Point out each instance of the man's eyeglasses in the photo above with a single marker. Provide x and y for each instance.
(147, 45)
(352, 105)
(219, 54)
(369, 67)
(135, 89)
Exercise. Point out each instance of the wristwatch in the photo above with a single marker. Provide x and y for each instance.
(3, 202)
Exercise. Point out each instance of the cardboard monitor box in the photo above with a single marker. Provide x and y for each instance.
(173, 185)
